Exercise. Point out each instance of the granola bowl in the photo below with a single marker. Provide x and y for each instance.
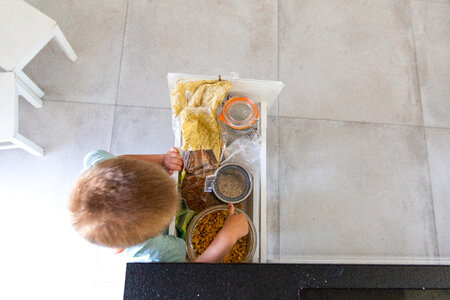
(204, 227)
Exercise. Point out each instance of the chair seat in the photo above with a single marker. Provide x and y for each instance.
(24, 31)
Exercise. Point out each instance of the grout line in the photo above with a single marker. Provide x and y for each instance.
(416, 67)
(437, 251)
(107, 104)
(78, 102)
(437, 127)
(278, 52)
(141, 106)
(278, 189)
(276, 116)
(434, 1)
(278, 253)
(352, 121)
(121, 51)
(120, 72)
(419, 94)
(113, 127)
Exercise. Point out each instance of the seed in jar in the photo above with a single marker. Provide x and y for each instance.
(231, 183)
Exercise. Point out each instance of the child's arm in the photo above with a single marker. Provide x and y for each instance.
(235, 227)
(172, 160)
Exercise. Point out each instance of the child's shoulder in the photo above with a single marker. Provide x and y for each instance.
(95, 157)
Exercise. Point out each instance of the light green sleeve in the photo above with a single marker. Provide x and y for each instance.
(162, 248)
(95, 157)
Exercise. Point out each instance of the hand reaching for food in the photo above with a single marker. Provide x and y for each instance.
(236, 225)
(173, 161)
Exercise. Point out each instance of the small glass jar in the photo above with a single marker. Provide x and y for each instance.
(240, 114)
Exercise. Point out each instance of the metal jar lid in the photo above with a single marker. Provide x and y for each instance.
(240, 174)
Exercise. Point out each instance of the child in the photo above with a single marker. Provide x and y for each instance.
(127, 202)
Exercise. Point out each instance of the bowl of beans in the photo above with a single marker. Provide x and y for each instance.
(205, 226)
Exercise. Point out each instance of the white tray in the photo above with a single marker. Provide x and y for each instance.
(263, 93)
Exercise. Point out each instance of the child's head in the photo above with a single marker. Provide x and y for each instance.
(123, 202)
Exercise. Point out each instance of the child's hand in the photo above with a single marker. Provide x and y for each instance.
(236, 226)
(173, 161)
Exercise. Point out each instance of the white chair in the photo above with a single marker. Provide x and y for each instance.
(10, 89)
(24, 31)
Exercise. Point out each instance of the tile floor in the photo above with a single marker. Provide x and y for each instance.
(359, 142)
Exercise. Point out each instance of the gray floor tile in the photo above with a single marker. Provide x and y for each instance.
(95, 30)
(273, 222)
(351, 189)
(203, 37)
(348, 61)
(36, 190)
(142, 130)
(67, 131)
(438, 141)
(432, 35)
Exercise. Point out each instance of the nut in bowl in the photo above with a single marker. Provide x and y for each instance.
(204, 227)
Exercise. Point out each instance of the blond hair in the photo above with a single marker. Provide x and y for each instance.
(123, 202)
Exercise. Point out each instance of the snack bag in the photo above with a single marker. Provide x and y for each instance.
(198, 164)
(194, 105)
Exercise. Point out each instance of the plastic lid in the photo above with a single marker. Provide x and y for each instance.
(240, 113)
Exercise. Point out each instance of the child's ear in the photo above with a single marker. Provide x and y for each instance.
(117, 251)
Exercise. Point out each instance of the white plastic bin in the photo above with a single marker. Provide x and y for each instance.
(263, 93)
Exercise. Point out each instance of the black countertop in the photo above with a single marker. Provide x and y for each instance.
(273, 281)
